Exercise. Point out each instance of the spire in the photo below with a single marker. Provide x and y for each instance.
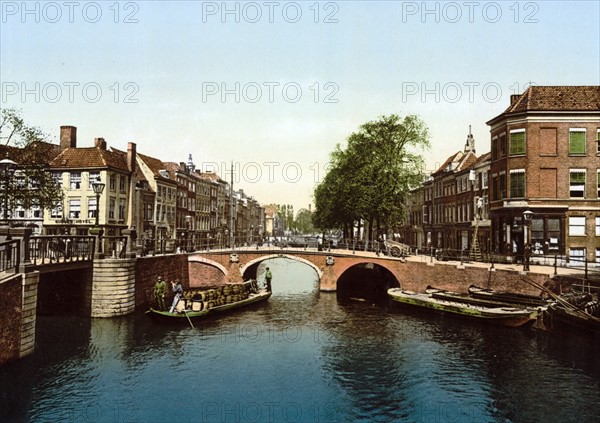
(190, 164)
(470, 145)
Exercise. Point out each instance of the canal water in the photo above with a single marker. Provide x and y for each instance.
(305, 356)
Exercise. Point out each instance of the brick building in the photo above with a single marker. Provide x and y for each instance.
(545, 158)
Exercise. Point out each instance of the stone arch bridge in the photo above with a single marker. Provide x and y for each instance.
(218, 267)
(208, 267)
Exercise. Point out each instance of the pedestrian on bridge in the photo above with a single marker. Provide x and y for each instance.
(160, 289)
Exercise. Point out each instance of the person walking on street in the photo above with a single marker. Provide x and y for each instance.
(178, 291)
(160, 289)
(268, 277)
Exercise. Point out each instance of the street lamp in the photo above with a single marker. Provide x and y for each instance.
(527, 216)
(7, 171)
(98, 188)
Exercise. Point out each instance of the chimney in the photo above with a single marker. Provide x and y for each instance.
(100, 143)
(68, 137)
(131, 156)
(514, 98)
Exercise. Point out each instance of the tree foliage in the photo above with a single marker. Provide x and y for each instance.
(303, 222)
(370, 179)
(32, 185)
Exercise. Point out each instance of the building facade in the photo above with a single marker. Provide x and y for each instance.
(545, 158)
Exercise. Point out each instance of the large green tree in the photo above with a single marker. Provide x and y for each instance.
(32, 184)
(370, 179)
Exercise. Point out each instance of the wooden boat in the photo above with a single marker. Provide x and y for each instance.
(187, 310)
(506, 297)
(466, 298)
(503, 315)
(562, 317)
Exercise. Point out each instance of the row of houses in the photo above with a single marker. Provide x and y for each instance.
(171, 205)
(544, 158)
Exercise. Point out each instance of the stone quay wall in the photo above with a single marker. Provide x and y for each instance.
(11, 316)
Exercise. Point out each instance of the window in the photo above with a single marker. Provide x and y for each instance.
(597, 255)
(537, 236)
(577, 256)
(57, 178)
(56, 212)
(112, 182)
(577, 141)
(503, 144)
(425, 215)
(495, 187)
(598, 183)
(517, 183)
(91, 207)
(597, 226)
(598, 142)
(20, 182)
(93, 177)
(484, 180)
(517, 142)
(122, 183)
(577, 226)
(75, 180)
(74, 208)
(149, 209)
(577, 183)
(121, 209)
(111, 208)
(502, 186)
(494, 148)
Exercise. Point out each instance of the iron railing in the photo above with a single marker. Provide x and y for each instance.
(52, 249)
(10, 256)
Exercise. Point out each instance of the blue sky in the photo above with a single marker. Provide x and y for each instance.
(274, 86)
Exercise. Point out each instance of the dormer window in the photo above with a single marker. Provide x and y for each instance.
(164, 173)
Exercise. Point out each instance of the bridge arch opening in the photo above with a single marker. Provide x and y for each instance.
(291, 275)
(66, 293)
(366, 281)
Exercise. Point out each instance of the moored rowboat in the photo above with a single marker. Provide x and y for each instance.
(500, 315)
(506, 297)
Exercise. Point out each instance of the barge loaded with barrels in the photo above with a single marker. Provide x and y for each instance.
(199, 303)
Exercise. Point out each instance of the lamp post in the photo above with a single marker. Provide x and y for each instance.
(7, 171)
(527, 215)
(98, 188)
